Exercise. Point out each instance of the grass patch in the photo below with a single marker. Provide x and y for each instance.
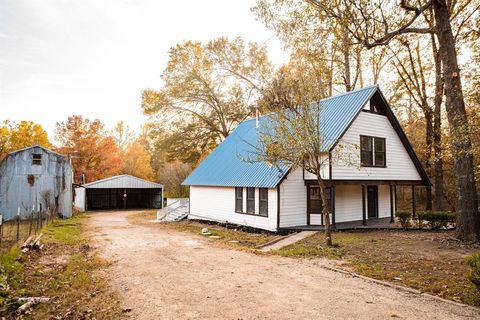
(428, 261)
(67, 270)
(65, 231)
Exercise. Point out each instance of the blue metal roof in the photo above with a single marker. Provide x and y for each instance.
(226, 165)
(338, 112)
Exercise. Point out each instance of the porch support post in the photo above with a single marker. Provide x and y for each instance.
(332, 201)
(364, 213)
(414, 208)
(395, 195)
(392, 210)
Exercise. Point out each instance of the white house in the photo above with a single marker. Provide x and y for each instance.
(226, 188)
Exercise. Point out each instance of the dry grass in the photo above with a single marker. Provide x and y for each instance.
(231, 237)
(143, 217)
(428, 261)
(67, 270)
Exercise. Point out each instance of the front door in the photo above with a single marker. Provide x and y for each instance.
(372, 201)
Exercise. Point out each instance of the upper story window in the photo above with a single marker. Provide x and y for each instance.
(372, 151)
(37, 159)
(238, 199)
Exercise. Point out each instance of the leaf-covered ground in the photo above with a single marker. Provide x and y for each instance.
(431, 262)
(67, 270)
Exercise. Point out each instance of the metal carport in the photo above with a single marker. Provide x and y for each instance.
(119, 192)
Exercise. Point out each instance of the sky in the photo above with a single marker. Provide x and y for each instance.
(94, 57)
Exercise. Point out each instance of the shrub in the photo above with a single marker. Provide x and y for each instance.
(437, 219)
(474, 262)
(405, 218)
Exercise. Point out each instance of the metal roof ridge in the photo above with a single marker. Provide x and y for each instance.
(34, 146)
(349, 92)
(117, 177)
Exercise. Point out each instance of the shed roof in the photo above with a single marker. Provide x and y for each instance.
(123, 181)
(226, 165)
(38, 146)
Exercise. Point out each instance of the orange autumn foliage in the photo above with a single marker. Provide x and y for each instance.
(94, 154)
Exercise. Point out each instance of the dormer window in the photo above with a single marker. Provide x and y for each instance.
(372, 151)
(37, 159)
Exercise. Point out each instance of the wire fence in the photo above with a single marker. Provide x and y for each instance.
(19, 229)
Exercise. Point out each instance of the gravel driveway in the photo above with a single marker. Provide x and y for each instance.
(164, 274)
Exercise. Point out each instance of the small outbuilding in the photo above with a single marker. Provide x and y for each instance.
(35, 178)
(119, 192)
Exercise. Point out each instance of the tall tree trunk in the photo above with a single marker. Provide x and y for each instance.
(437, 128)
(347, 78)
(468, 224)
(325, 210)
(428, 155)
(326, 213)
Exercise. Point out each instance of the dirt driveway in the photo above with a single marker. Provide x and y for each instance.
(164, 274)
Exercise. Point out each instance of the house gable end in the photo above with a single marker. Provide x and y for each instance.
(384, 110)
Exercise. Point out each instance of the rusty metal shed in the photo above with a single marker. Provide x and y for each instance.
(35, 178)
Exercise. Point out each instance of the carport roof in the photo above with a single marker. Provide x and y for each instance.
(124, 181)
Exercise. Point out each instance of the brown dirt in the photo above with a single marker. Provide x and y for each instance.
(161, 273)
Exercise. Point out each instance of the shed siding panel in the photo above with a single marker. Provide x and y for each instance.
(346, 156)
(293, 200)
(80, 198)
(218, 204)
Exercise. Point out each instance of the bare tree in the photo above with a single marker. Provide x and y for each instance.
(292, 135)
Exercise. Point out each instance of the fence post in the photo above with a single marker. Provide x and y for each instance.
(18, 225)
(38, 222)
(1, 228)
(31, 224)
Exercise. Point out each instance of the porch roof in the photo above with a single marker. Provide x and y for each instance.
(367, 182)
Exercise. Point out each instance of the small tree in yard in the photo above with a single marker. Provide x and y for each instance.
(293, 136)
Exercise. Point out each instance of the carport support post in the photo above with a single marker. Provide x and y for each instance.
(364, 213)
(414, 208)
(392, 211)
(332, 201)
(124, 198)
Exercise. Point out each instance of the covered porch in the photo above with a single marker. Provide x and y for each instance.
(377, 224)
(356, 204)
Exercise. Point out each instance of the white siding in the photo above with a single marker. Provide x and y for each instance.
(293, 200)
(383, 201)
(348, 203)
(324, 171)
(346, 155)
(218, 204)
(316, 219)
(80, 198)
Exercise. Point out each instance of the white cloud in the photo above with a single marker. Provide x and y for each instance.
(92, 57)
